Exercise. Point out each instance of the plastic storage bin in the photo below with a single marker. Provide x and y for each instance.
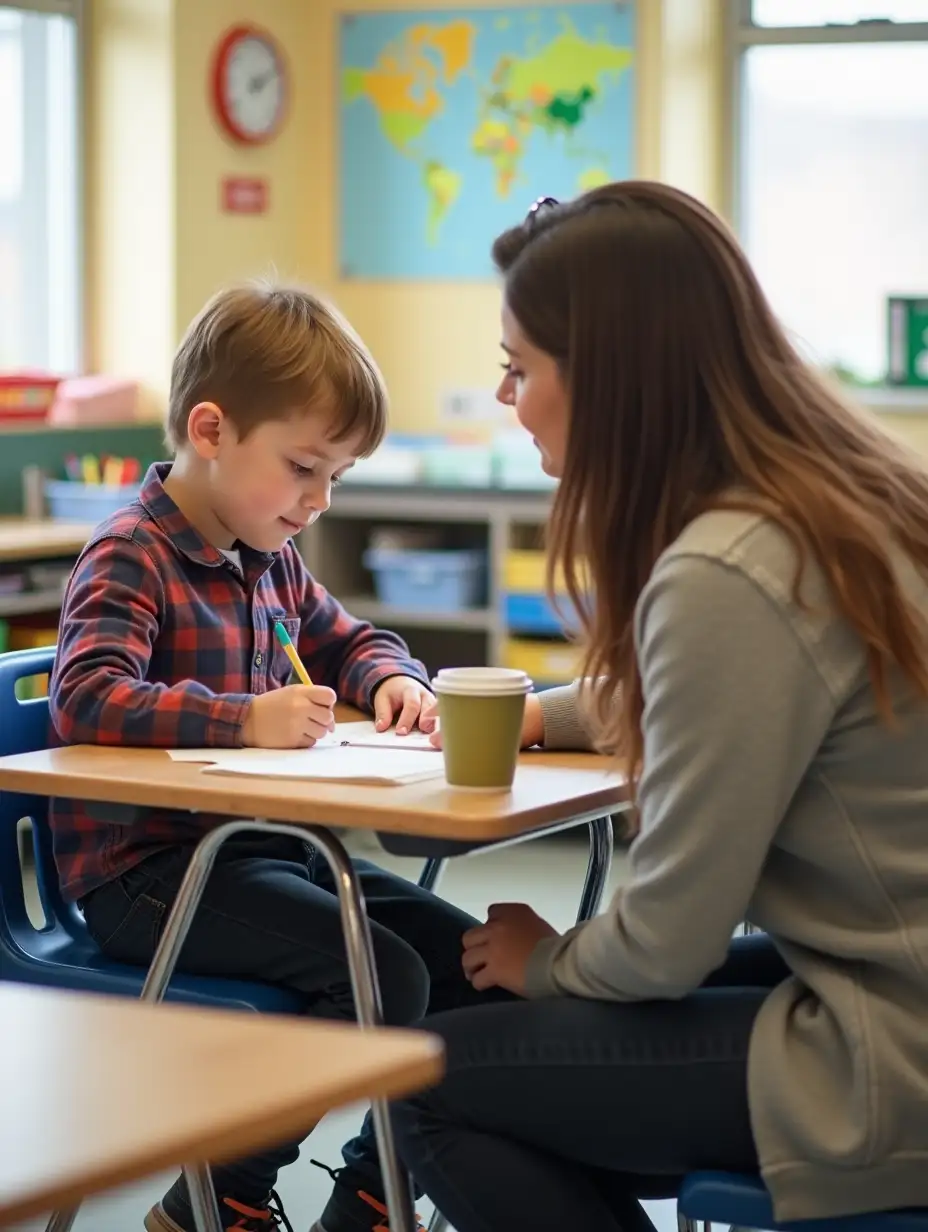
(535, 614)
(428, 581)
(26, 396)
(86, 502)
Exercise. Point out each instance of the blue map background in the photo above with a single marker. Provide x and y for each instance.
(388, 227)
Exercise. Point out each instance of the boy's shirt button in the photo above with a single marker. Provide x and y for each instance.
(259, 659)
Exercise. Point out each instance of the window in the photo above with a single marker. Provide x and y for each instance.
(39, 187)
(832, 167)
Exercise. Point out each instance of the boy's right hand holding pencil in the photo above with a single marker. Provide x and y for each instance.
(294, 717)
(291, 718)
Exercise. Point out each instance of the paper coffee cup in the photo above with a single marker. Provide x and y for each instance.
(481, 710)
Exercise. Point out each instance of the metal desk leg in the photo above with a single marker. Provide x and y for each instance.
(597, 869)
(366, 991)
(432, 874)
(361, 967)
(202, 1198)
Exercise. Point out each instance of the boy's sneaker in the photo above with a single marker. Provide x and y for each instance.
(173, 1214)
(349, 1209)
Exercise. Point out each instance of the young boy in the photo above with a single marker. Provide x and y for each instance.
(167, 640)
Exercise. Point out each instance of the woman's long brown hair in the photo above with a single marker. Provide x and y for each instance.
(686, 394)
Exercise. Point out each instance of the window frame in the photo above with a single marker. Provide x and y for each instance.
(741, 34)
(77, 11)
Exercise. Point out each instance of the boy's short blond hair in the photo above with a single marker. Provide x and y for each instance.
(264, 352)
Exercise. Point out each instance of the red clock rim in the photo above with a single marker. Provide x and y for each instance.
(227, 42)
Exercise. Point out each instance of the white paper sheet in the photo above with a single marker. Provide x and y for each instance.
(366, 735)
(339, 763)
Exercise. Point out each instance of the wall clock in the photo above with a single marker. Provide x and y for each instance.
(250, 85)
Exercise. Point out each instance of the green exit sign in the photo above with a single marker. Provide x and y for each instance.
(908, 340)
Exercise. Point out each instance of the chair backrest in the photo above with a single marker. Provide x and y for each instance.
(24, 727)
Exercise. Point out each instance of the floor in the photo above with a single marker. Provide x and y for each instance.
(547, 874)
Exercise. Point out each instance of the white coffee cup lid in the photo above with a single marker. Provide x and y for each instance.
(482, 681)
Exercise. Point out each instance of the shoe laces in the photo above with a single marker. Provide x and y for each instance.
(268, 1218)
(369, 1199)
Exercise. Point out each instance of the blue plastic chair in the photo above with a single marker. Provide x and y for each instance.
(743, 1202)
(62, 954)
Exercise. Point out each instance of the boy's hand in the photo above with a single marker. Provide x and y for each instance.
(407, 697)
(294, 717)
(533, 725)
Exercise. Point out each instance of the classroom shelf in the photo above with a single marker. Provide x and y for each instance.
(28, 602)
(501, 523)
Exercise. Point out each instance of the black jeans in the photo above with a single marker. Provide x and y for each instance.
(561, 1113)
(270, 913)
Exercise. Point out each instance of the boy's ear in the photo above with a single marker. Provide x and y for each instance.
(206, 426)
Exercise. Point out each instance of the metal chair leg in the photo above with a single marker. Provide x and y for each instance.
(598, 868)
(431, 874)
(62, 1221)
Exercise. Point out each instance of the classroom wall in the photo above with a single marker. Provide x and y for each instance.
(159, 245)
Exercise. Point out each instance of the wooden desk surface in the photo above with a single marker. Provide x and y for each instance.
(99, 1091)
(549, 788)
(30, 539)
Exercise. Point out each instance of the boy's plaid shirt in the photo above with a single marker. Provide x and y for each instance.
(163, 642)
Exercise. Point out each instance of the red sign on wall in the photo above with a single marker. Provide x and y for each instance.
(241, 194)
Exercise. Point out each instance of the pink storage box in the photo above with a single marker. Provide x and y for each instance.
(95, 399)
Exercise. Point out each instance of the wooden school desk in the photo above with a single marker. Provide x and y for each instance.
(429, 818)
(99, 1091)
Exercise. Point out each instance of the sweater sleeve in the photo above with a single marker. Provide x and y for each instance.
(735, 711)
(565, 724)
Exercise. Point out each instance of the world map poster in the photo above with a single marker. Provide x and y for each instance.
(453, 121)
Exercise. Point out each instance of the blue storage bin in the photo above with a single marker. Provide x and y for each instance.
(535, 614)
(86, 502)
(430, 581)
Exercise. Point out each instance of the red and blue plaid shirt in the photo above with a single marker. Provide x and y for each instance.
(164, 642)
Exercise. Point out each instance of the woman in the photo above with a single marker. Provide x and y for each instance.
(756, 552)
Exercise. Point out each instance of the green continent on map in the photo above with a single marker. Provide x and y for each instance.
(592, 177)
(549, 91)
(443, 186)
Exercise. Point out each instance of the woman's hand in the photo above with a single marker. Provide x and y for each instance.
(533, 725)
(496, 954)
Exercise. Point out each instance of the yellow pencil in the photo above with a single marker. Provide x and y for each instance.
(290, 650)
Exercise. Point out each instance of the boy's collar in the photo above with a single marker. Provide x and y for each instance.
(182, 533)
